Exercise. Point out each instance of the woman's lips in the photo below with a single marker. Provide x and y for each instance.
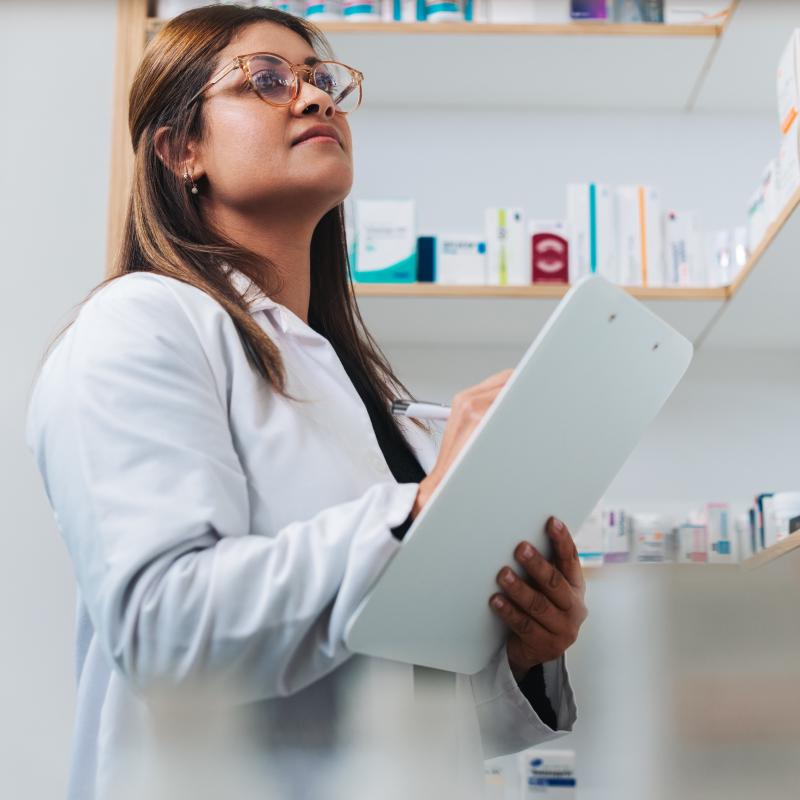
(329, 139)
(318, 132)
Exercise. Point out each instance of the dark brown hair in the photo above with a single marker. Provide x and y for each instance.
(165, 234)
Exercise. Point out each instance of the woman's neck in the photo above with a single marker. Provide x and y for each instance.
(286, 243)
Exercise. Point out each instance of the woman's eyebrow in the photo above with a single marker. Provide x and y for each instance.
(311, 60)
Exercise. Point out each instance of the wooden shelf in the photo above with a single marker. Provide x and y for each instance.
(762, 308)
(534, 291)
(609, 571)
(554, 63)
(521, 29)
(503, 316)
(741, 76)
(772, 553)
(758, 311)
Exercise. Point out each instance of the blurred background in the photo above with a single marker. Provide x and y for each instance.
(687, 676)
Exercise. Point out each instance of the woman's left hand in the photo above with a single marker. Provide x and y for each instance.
(544, 611)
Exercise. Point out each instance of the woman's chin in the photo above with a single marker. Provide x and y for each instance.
(333, 181)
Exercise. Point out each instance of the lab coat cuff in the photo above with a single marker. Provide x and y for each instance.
(507, 720)
(403, 496)
(559, 692)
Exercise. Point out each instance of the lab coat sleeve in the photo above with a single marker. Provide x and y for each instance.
(130, 431)
(508, 722)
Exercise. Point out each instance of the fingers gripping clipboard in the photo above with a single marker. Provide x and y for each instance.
(550, 444)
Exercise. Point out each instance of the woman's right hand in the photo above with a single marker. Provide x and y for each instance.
(466, 411)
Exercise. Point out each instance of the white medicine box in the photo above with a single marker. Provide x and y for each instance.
(789, 84)
(698, 12)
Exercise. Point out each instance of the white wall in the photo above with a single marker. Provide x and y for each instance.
(730, 430)
(456, 163)
(56, 62)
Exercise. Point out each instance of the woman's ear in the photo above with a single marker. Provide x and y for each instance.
(179, 163)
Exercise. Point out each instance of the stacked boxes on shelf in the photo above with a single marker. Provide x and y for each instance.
(614, 536)
(780, 179)
(711, 535)
(487, 11)
(620, 233)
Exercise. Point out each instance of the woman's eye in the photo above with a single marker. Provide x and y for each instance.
(266, 81)
(325, 82)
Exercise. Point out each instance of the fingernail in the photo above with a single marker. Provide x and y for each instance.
(526, 552)
(497, 602)
(558, 525)
(508, 578)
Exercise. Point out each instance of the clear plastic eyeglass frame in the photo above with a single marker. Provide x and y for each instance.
(310, 70)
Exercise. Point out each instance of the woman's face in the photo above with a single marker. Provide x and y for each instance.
(249, 151)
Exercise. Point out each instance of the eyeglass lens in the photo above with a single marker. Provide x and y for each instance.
(273, 79)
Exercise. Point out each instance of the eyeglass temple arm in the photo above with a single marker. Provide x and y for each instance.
(347, 91)
(226, 71)
(357, 78)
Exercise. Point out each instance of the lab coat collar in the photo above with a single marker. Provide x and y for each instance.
(250, 291)
(257, 300)
(289, 322)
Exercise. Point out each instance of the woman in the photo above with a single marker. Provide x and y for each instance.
(214, 436)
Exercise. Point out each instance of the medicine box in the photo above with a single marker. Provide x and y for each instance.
(590, 540)
(460, 259)
(683, 253)
(549, 251)
(590, 9)
(789, 83)
(722, 542)
(616, 536)
(548, 774)
(506, 251)
(697, 12)
(640, 240)
(592, 231)
(691, 542)
(787, 167)
(386, 242)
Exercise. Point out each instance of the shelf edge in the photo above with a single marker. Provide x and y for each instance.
(773, 552)
(769, 237)
(541, 292)
(657, 30)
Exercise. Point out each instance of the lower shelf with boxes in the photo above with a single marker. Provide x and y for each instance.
(714, 534)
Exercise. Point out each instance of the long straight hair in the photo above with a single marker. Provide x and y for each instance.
(165, 234)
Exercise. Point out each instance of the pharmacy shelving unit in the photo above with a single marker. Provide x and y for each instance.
(761, 309)
(695, 67)
(505, 315)
(757, 311)
(678, 59)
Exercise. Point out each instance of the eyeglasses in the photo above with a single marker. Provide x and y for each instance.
(277, 82)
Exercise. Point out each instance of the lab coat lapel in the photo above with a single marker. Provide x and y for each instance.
(423, 445)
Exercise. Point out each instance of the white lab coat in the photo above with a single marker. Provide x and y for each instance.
(217, 528)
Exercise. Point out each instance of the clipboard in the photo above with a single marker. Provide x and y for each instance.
(551, 443)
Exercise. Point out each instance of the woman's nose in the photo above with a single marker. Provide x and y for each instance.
(312, 100)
